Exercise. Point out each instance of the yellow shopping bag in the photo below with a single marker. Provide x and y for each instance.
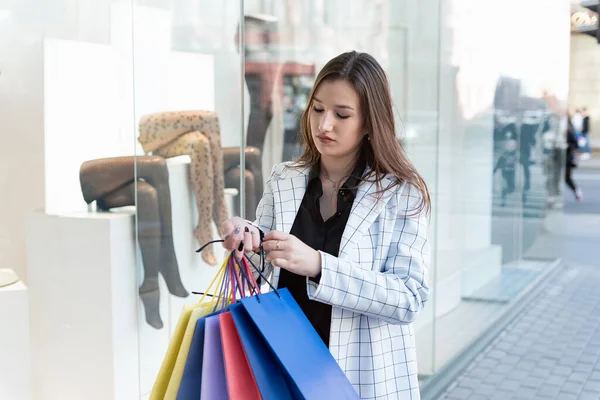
(169, 376)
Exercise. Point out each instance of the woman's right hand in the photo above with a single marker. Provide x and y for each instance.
(237, 231)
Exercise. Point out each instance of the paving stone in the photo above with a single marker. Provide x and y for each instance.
(478, 397)
(486, 390)
(525, 393)
(549, 390)
(578, 377)
(480, 373)
(556, 379)
(571, 387)
(533, 383)
(585, 395)
(496, 354)
(501, 395)
(592, 385)
(460, 393)
(511, 385)
(595, 376)
(494, 379)
(584, 368)
(503, 369)
(566, 396)
(525, 365)
(541, 373)
(589, 359)
(562, 370)
(469, 382)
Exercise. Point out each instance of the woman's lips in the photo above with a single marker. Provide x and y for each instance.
(325, 139)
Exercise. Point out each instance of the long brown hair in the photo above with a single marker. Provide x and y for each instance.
(382, 150)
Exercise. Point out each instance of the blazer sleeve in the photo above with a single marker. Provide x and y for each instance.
(400, 290)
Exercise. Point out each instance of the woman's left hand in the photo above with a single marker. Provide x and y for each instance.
(288, 252)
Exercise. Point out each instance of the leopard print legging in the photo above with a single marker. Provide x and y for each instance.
(203, 144)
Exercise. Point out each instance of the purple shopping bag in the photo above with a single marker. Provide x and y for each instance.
(214, 383)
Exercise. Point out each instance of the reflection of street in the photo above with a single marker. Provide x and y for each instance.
(517, 224)
(550, 349)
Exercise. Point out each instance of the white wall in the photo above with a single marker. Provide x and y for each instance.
(584, 82)
(21, 136)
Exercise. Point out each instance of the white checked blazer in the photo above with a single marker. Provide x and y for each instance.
(377, 285)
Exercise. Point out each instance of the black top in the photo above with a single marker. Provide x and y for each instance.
(320, 235)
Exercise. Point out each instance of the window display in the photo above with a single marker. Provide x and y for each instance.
(197, 134)
(142, 181)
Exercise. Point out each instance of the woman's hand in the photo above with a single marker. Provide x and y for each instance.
(240, 235)
(288, 252)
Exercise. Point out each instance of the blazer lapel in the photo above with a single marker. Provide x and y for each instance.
(288, 194)
(365, 210)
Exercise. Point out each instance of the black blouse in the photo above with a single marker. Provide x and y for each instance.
(320, 235)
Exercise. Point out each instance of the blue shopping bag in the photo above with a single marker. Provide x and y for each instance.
(309, 367)
(268, 372)
(191, 381)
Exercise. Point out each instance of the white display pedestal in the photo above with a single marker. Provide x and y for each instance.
(15, 366)
(89, 335)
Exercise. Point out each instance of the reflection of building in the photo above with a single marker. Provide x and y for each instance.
(584, 84)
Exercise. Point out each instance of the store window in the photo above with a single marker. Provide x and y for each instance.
(143, 124)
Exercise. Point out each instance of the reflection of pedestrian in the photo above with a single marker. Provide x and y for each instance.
(578, 126)
(507, 163)
(533, 120)
(572, 147)
(587, 148)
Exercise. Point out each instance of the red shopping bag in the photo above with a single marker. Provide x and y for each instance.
(241, 383)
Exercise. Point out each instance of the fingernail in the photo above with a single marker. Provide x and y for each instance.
(246, 229)
(241, 246)
(237, 229)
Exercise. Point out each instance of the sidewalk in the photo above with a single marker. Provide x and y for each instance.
(552, 350)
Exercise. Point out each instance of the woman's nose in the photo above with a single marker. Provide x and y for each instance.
(326, 123)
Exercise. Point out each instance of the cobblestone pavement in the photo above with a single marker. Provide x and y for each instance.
(552, 349)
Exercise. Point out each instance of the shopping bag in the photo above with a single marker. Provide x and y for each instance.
(306, 360)
(192, 373)
(168, 370)
(268, 372)
(191, 378)
(164, 374)
(241, 384)
(198, 312)
(214, 385)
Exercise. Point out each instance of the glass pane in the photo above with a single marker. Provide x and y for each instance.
(287, 44)
(187, 117)
(503, 152)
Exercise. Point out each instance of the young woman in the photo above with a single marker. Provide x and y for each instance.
(346, 229)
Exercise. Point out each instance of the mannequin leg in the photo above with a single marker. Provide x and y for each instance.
(231, 156)
(197, 146)
(220, 213)
(149, 228)
(103, 176)
(153, 169)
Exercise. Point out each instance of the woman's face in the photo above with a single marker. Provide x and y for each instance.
(336, 122)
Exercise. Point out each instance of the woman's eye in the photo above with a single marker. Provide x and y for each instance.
(319, 110)
(342, 116)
